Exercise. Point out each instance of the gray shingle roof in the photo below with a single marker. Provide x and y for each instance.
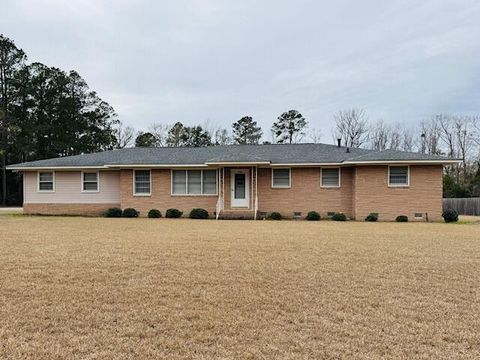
(274, 154)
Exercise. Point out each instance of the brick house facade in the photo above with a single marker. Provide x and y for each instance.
(249, 187)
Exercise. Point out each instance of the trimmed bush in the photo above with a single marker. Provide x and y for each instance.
(371, 217)
(154, 214)
(130, 213)
(312, 216)
(401, 218)
(450, 215)
(274, 216)
(198, 214)
(113, 212)
(339, 217)
(173, 213)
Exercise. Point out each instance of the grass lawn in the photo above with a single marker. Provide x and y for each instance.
(93, 288)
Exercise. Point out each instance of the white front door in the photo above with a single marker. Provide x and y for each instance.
(239, 192)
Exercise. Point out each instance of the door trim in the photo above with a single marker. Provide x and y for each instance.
(246, 203)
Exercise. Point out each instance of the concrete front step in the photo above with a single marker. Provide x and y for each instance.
(237, 215)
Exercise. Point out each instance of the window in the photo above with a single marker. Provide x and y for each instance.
(46, 181)
(89, 181)
(280, 178)
(142, 182)
(330, 177)
(209, 182)
(194, 182)
(398, 176)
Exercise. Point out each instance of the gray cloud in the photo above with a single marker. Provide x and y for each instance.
(193, 60)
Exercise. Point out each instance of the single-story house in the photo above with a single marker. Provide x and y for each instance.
(242, 181)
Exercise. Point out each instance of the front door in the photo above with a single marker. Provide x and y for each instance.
(239, 193)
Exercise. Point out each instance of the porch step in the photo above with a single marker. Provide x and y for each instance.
(237, 215)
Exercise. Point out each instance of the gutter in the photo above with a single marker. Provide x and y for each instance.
(233, 163)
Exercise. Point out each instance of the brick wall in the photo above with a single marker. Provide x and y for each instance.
(67, 209)
(305, 193)
(363, 190)
(372, 194)
(161, 197)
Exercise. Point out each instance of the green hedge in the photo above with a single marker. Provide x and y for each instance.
(113, 213)
(312, 216)
(130, 213)
(154, 214)
(173, 213)
(198, 214)
(274, 216)
(339, 217)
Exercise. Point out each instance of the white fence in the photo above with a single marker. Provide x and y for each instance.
(464, 206)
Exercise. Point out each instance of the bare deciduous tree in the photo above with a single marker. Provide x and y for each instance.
(125, 136)
(315, 135)
(351, 126)
(160, 131)
(430, 134)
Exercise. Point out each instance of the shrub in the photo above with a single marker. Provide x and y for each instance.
(274, 216)
(173, 213)
(313, 216)
(198, 214)
(339, 217)
(450, 215)
(130, 213)
(401, 218)
(371, 217)
(154, 214)
(113, 212)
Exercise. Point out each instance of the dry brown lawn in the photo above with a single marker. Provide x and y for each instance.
(86, 288)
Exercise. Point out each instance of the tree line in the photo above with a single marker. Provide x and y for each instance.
(46, 112)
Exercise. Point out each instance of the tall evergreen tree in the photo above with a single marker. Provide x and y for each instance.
(12, 59)
(195, 136)
(289, 127)
(146, 139)
(174, 136)
(246, 131)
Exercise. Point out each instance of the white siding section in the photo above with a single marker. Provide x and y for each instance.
(68, 189)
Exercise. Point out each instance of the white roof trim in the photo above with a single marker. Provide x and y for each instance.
(233, 163)
(152, 166)
(305, 164)
(35, 168)
(406, 162)
(237, 163)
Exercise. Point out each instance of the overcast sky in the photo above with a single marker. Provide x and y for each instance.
(217, 60)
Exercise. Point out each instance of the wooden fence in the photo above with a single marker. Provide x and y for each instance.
(464, 206)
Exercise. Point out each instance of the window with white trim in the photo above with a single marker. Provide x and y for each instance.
(281, 178)
(330, 177)
(90, 181)
(46, 181)
(194, 182)
(142, 184)
(398, 176)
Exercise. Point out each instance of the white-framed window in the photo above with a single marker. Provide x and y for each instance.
(194, 182)
(46, 181)
(330, 177)
(399, 176)
(141, 182)
(90, 181)
(281, 178)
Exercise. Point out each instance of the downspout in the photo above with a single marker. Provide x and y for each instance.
(256, 193)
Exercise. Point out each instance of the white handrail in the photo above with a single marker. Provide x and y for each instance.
(218, 208)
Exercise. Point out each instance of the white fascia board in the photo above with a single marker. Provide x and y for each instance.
(406, 162)
(238, 163)
(66, 168)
